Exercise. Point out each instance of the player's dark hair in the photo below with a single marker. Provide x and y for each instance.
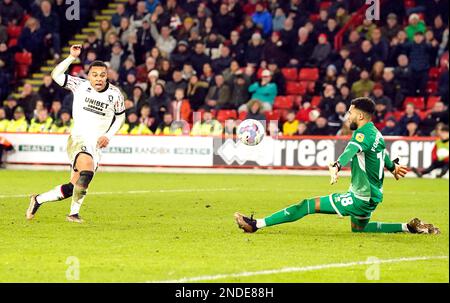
(364, 104)
(97, 63)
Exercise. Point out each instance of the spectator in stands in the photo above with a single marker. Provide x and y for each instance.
(391, 29)
(319, 127)
(224, 21)
(321, 52)
(328, 103)
(274, 50)
(117, 56)
(302, 49)
(220, 92)
(380, 117)
(50, 25)
(380, 46)
(332, 29)
(3, 32)
(278, 19)
(199, 58)
(254, 110)
(302, 129)
(290, 127)
(64, 124)
(418, 52)
(403, 75)
(3, 120)
(433, 47)
(139, 98)
(143, 70)
(364, 86)
(105, 31)
(390, 85)
(141, 14)
(366, 28)
(378, 95)
(180, 55)
(180, 107)
(438, 28)
(439, 155)
(147, 120)
(237, 47)
(438, 114)
(119, 14)
(223, 62)
(164, 41)
(336, 120)
(48, 91)
(410, 115)
(11, 12)
(254, 50)
(176, 82)
(42, 123)
(345, 96)
(415, 26)
(262, 19)
(32, 40)
(160, 102)
(277, 77)
(365, 58)
(28, 100)
(196, 92)
(412, 130)
(350, 71)
(92, 44)
(10, 105)
(133, 126)
(151, 5)
(6, 70)
(144, 41)
(239, 90)
(209, 126)
(19, 122)
(264, 90)
(55, 110)
(354, 42)
(168, 127)
(391, 128)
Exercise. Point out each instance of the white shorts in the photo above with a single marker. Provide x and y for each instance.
(76, 145)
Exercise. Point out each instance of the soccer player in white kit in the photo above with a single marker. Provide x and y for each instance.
(98, 113)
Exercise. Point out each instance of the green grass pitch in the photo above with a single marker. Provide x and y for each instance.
(156, 227)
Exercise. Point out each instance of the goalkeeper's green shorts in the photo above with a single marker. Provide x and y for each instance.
(346, 204)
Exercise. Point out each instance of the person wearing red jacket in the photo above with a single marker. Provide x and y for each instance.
(439, 155)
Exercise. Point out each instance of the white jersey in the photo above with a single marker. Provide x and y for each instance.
(93, 112)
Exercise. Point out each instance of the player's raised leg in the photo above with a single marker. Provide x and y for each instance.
(289, 214)
(82, 177)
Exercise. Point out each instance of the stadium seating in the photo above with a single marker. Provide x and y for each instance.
(223, 115)
(419, 102)
(432, 100)
(290, 73)
(309, 74)
(283, 102)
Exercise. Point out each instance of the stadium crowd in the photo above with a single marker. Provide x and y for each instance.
(231, 60)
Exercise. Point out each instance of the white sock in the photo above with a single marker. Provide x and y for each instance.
(77, 200)
(405, 227)
(260, 223)
(50, 196)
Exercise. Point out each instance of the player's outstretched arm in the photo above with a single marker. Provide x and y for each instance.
(350, 151)
(58, 72)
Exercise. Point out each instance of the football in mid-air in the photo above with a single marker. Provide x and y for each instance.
(250, 132)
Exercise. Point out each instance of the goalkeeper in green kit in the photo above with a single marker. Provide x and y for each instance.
(367, 153)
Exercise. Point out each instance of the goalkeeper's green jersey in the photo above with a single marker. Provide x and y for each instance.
(367, 152)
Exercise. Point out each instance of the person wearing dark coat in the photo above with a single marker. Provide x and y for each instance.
(180, 55)
(160, 102)
(11, 12)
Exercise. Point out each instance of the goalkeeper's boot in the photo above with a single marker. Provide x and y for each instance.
(33, 208)
(246, 223)
(416, 226)
(74, 218)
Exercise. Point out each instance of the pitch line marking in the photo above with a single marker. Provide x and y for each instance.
(140, 192)
(188, 191)
(298, 269)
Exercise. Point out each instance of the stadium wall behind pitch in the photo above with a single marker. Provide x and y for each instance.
(187, 151)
